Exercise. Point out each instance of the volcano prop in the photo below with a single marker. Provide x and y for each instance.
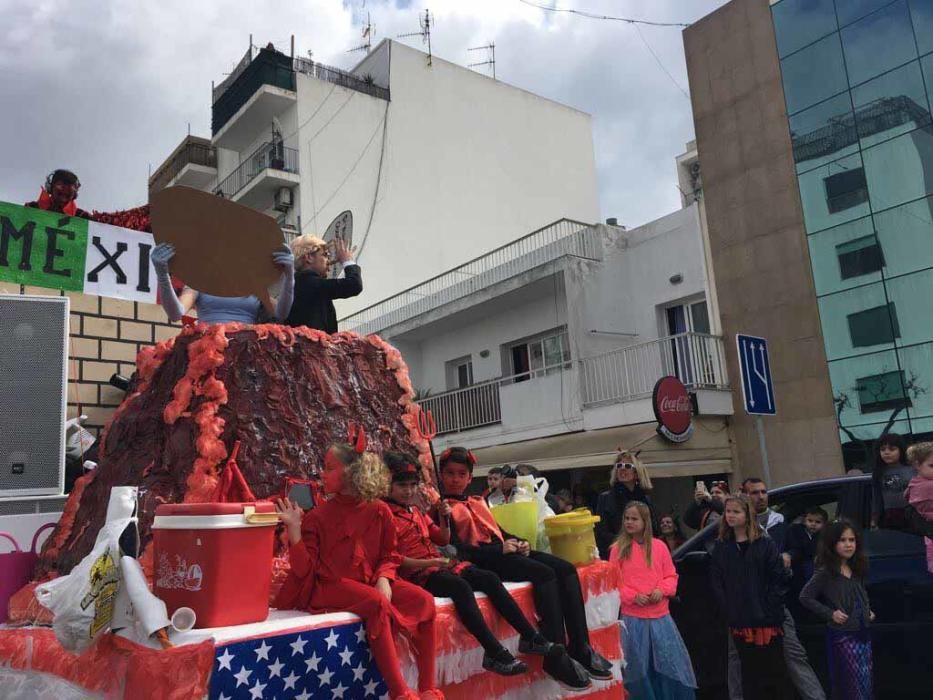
(284, 393)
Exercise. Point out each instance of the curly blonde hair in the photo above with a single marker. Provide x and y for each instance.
(918, 453)
(306, 245)
(365, 474)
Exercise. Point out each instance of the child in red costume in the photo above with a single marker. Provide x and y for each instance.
(556, 586)
(344, 558)
(418, 541)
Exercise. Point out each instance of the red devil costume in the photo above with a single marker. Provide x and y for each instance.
(347, 544)
(556, 586)
(418, 539)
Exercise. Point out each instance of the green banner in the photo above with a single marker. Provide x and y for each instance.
(42, 248)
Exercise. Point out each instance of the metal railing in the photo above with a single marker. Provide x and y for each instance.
(697, 359)
(340, 77)
(477, 405)
(276, 157)
(563, 237)
(191, 152)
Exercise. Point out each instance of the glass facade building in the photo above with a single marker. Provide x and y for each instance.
(858, 85)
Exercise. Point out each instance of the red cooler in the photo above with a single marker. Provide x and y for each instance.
(215, 558)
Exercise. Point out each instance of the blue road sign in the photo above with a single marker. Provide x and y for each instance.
(756, 375)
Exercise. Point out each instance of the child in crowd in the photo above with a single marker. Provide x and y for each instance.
(344, 558)
(837, 594)
(919, 493)
(749, 580)
(493, 480)
(801, 544)
(657, 663)
(558, 597)
(418, 540)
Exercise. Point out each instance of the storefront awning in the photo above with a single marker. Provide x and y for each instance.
(706, 452)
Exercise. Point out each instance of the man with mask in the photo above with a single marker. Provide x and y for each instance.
(59, 193)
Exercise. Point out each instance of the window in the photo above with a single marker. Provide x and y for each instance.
(817, 214)
(542, 354)
(846, 190)
(875, 326)
(859, 257)
(460, 373)
(891, 104)
(801, 22)
(823, 133)
(882, 392)
(921, 12)
(814, 74)
(851, 10)
(899, 170)
(879, 42)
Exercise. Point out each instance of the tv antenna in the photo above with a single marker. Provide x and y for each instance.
(369, 30)
(490, 57)
(426, 21)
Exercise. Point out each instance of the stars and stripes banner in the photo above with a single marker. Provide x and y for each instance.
(330, 662)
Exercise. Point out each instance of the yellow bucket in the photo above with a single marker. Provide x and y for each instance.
(571, 536)
(519, 519)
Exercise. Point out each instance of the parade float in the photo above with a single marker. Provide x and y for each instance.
(223, 413)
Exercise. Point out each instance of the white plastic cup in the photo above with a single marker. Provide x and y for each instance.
(183, 619)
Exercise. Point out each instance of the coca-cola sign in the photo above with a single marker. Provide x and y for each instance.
(673, 409)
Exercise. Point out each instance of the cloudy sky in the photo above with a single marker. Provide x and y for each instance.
(108, 87)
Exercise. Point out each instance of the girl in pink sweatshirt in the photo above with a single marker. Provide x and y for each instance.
(657, 663)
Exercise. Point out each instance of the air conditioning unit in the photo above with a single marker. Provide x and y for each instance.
(284, 199)
(33, 391)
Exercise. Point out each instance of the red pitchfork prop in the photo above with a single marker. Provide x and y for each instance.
(427, 430)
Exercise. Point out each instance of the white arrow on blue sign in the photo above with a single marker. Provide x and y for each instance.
(757, 387)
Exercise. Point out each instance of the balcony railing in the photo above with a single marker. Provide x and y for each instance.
(276, 157)
(563, 237)
(698, 360)
(268, 67)
(191, 152)
(620, 375)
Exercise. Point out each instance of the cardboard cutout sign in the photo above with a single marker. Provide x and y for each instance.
(221, 247)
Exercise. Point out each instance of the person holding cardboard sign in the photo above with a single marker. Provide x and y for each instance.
(314, 292)
(218, 309)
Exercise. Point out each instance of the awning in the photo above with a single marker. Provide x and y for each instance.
(706, 452)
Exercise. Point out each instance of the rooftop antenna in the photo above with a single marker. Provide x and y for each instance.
(426, 21)
(490, 57)
(369, 30)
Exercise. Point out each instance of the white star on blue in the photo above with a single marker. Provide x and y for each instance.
(277, 667)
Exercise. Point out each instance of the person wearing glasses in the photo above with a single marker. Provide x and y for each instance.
(628, 481)
(314, 291)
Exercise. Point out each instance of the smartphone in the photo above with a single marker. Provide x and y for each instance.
(301, 494)
(701, 486)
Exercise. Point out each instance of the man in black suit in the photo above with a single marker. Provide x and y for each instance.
(314, 291)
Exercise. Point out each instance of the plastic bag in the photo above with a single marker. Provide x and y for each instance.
(83, 602)
(529, 488)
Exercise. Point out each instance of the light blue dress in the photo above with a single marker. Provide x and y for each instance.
(213, 309)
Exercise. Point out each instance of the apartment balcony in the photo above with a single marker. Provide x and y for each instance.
(546, 245)
(562, 395)
(193, 164)
(255, 182)
(263, 86)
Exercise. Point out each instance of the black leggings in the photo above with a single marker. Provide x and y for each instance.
(764, 670)
(460, 587)
(558, 597)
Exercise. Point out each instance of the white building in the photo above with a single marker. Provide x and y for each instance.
(547, 350)
(438, 163)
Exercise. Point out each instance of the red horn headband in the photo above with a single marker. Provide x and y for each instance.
(356, 436)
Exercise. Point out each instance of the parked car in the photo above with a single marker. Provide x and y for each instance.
(899, 586)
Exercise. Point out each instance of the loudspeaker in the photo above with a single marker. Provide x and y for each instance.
(33, 394)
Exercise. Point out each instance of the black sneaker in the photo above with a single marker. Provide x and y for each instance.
(503, 666)
(596, 665)
(537, 645)
(567, 672)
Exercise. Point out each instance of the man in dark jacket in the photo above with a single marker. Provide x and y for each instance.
(314, 292)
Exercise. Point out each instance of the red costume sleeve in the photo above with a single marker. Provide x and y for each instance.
(389, 557)
(304, 555)
(436, 534)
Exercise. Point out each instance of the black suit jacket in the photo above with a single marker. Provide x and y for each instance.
(314, 298)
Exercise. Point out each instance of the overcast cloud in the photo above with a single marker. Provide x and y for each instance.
(108, 88)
